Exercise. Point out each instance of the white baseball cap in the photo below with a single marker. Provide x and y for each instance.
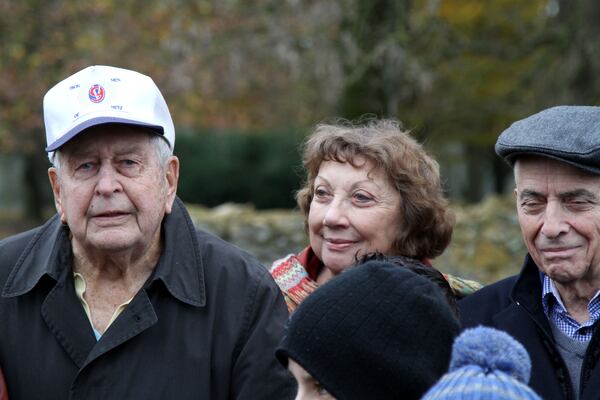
(101, 94)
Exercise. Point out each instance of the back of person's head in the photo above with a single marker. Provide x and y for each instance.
(377, 331)
(487, 364)
(419, 268)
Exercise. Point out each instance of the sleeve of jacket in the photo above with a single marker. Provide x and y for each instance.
(257, 373)
(3, 391)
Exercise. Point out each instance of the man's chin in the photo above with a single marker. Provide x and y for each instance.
(110, 242)
(562, 272)
(109, 247)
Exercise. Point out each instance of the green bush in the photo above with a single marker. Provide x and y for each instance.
(263, 169)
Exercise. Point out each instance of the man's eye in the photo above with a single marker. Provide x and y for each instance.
(579, 204)
(128, 163)
(85, 166)
(532, 206)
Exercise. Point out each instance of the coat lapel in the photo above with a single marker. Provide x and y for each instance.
(66, 319)
(138, 316)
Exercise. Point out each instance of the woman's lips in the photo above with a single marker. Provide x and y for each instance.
(339, 244)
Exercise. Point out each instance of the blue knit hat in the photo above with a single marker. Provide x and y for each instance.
(486, 364)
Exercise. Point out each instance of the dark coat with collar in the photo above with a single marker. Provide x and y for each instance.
(204, 326)
(514, 305)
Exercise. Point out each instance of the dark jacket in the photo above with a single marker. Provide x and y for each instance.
(514, 305)
(204, 326)
(3, 392)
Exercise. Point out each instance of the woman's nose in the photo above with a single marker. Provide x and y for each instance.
(336, 214)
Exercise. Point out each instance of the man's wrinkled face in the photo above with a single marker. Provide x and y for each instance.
(559, 212)
(111, 190)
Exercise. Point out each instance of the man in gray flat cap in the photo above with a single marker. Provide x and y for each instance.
(553, 306)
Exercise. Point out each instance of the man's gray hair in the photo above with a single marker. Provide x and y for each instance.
(160, 144)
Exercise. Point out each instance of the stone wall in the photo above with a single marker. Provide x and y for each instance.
(486, 244)
(267, 234)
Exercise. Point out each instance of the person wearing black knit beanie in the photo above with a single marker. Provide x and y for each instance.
(378, 331)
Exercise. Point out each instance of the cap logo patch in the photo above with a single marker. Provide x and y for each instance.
(96, 93)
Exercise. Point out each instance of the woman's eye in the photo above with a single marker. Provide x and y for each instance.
(362, 197)
(320, 192)
(128, 163)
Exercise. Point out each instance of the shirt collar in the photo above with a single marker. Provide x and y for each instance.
(180, 266)
(551, 296)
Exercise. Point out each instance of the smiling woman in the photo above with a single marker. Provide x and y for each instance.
(354, 207)
(369, 188)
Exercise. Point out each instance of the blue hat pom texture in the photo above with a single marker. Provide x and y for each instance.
(486, 364)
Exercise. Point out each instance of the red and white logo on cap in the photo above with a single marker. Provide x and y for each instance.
(96, 93)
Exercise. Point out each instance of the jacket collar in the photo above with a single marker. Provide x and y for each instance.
(527, 290)
(41, 256)
(180, 266)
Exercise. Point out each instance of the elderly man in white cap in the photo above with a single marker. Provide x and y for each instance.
(553, 306)
(118, 296)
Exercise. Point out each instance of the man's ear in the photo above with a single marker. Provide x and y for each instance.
(55, 183)
(172, 178)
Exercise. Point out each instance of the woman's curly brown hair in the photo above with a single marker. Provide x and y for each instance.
(426, 223)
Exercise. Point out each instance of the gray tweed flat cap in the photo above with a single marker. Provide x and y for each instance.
(567, 133)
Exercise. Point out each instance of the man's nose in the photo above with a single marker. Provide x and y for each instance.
(555, 221)
(108, 181)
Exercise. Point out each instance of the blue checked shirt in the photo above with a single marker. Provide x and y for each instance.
(557, 313)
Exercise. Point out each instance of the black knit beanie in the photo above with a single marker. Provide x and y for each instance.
(378, 331)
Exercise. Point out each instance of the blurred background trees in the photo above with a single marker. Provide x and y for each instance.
(245, 81)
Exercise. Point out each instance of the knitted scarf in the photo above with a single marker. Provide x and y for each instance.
(296, 276)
